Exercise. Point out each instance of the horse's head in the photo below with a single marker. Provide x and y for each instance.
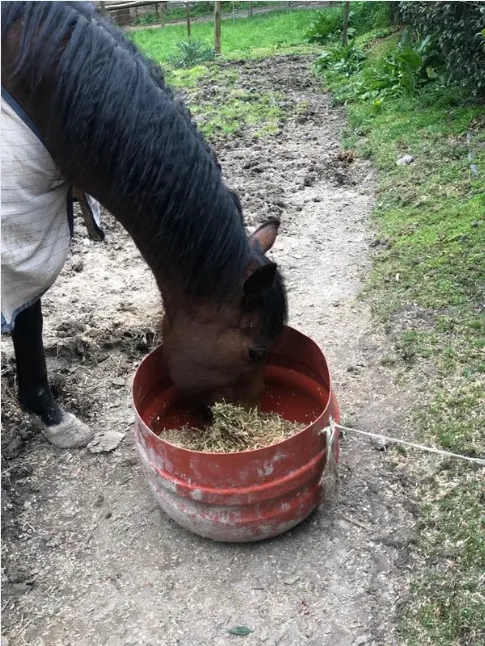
(216, 352)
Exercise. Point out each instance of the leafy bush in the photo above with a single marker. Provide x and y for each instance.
(327, 25)
(344, 59)
(192, 52)
(363, 16)
(457, 32)
(403, 71)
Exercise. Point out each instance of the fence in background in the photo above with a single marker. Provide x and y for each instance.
(128, 12)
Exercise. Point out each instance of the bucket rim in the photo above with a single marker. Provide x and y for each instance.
(331, 400)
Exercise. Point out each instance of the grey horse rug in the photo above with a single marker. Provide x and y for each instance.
(36, 214)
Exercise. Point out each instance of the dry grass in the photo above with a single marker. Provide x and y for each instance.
(234, 429)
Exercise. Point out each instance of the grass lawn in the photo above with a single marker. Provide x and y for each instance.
(197, 9)
(257, 36)
(430, 217)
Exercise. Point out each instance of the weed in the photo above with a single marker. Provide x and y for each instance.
(191, 52)
(342, 59)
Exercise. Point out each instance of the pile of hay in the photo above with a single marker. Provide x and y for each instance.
(234, 429)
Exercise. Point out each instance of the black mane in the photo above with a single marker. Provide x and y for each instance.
(111, 109)
(155, 71)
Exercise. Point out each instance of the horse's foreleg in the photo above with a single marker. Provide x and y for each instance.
(60, 428)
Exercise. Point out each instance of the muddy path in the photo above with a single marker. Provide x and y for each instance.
(88, 557)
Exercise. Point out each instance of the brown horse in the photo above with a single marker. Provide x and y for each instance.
(115, 132)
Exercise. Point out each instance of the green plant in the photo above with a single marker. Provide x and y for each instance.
(344, 59)
(192, 52)
(456, 29)
(363, 16)
(403, 71)
(327, 25)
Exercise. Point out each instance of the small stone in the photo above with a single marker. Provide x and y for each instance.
(292, 579)
(78, 265)
(405, 160)
(379, 443)
(105, 441)
(108, 514)
(360, 641)
(118, 381)
(99, 500)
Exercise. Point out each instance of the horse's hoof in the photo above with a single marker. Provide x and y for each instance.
(69, 434)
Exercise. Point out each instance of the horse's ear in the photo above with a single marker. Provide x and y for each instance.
(257, 283)
(265, 235)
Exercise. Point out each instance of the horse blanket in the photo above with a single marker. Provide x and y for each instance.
(36, 214)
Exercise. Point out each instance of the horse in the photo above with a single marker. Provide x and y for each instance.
(113, 130)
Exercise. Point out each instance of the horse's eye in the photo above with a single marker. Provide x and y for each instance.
(257, 354)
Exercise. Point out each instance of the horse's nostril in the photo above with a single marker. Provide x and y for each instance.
(257, 353)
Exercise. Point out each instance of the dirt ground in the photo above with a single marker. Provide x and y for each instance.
(88, 558)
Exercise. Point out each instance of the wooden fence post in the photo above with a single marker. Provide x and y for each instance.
(217, 27)
(345, 39)
(250, 9)
(102, 8)
(162, 13)
(187, 12)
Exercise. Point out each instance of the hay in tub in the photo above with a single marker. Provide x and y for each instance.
(234, 429)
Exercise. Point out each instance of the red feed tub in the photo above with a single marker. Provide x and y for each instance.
(249, 495)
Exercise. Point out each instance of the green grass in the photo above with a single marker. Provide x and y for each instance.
(187, 78)
(241, 111)
(431, 217)
(230, 110)
(258, 36)
(198, 9)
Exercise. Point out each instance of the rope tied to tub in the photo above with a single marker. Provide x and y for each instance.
(330, 481)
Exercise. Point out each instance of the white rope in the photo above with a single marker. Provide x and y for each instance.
(330, 480)
(330, 432)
